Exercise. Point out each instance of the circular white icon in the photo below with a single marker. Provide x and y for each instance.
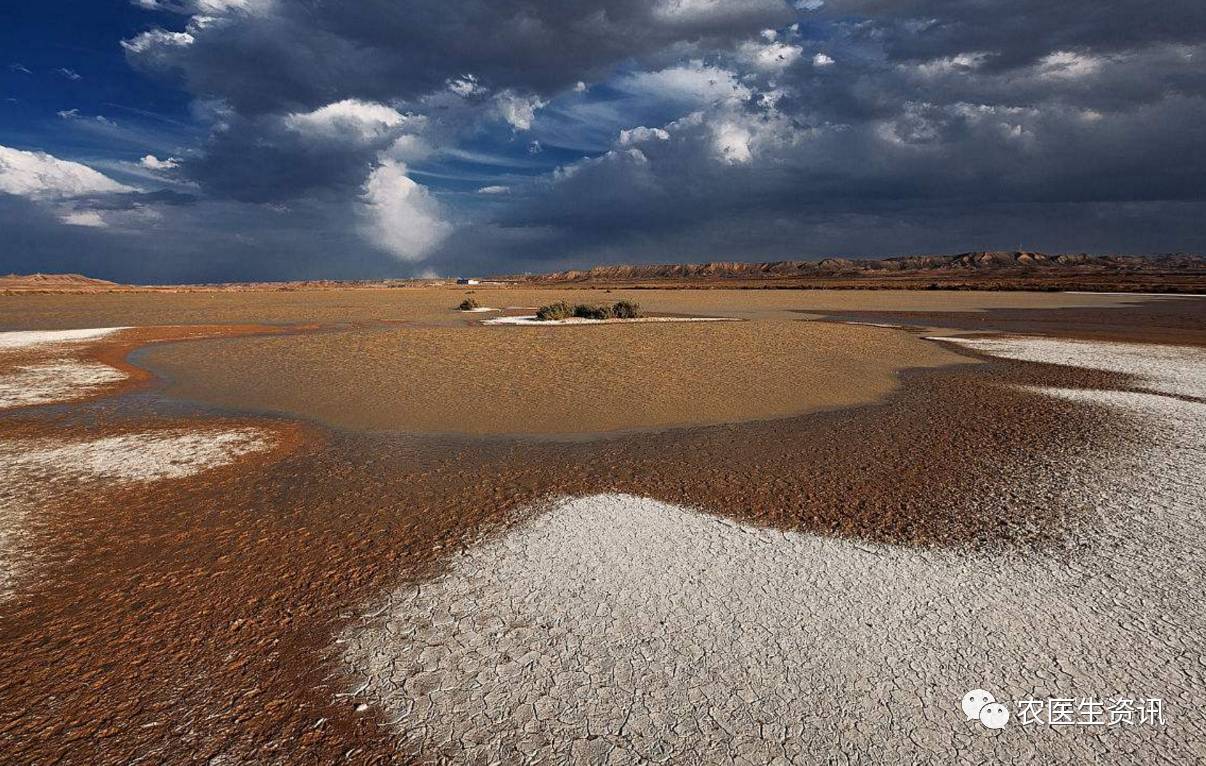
(973, 701)
(994, 715)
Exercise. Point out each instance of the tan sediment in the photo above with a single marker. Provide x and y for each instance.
(563, 380)
(436, 304)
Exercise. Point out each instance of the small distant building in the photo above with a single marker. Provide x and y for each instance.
(467, 281)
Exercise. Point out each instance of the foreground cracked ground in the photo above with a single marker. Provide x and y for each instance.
(617, 629)
(186, 584)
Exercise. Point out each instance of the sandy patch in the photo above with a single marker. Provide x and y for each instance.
(36, 471)
(534, 322)
(619, 629)
(478, 310)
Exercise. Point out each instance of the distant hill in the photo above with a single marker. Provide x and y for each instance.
(55, 283)
(971, 264)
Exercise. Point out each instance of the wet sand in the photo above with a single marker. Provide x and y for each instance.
(195, 618)
(440, 371)
(547, 380)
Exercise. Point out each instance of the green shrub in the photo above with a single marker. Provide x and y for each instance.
(468, 304)
(584, 311)
(625, 310)
(554, 311)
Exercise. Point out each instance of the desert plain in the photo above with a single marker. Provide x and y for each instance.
(358, 525)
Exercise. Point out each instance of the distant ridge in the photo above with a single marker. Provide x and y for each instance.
(983, 263)
(55, 283)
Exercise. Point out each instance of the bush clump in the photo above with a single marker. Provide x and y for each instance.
(625, 310)
(554, 311)
(563, 310)
(468, 304)
(584, 311)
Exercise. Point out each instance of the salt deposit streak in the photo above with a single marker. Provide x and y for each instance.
(1168, 369)
(55, 381)
(619, 629)
(132, 457)
(22, 339)
(33, 472)
(532, 321)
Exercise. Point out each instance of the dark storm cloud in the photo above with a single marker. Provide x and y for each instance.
(971, 117)
(259, 160)
(270, 56)
(1019, 31)
(870, 230)
(202, 242)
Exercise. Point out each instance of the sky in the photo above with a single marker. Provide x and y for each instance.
(159, 141)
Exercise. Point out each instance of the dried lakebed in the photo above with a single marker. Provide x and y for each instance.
(216, 616)
(619, 629)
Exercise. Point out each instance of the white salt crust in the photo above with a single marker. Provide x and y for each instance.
(532, 321)
(34, 472)
(619, 629)
(58, 380)
(51, 378)
(1167, 369)
(22, 339)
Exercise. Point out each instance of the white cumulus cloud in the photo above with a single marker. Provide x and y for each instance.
(401, 217)
(641, 134)
(39, 175)
(151, 162)
(363, 121)
(517, 110)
